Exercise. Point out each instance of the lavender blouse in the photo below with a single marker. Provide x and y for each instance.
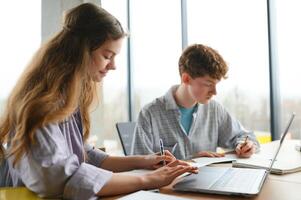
(56, 166)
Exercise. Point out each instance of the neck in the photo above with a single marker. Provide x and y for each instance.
(183, 97)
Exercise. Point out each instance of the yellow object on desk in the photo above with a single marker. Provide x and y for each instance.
(263, 137)
(16, 193)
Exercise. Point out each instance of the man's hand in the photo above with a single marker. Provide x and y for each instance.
(246, 149)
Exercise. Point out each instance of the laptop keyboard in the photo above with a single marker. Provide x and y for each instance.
(236, 179)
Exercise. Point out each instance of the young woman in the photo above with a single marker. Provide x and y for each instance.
(46, 122)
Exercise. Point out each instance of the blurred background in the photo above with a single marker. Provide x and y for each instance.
(259, 39)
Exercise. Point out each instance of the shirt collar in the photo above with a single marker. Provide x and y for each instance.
(170, 102)
(169, 99)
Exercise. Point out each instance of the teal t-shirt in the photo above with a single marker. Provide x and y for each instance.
(186, 117)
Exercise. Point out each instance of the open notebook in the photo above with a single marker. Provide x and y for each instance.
(281, 166)
(257, 162)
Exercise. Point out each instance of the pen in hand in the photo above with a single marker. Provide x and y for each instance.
(162, 150)
(245, 142)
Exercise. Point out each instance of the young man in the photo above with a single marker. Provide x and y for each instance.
(187, 120)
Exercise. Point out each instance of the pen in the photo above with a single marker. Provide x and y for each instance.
(245, 142)
(174, 148)
(162, 150)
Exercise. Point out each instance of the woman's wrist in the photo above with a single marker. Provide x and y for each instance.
(144, 162)
(146, 182)
(138, 162)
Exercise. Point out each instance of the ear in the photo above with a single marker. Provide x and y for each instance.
(185, 78)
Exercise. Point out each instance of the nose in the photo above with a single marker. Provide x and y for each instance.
(111, 65)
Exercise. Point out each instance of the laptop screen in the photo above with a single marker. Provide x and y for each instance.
(281, 141)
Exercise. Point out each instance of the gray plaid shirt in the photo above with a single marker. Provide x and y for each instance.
(212, 127)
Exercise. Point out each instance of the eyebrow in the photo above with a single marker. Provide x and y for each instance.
(210, 81)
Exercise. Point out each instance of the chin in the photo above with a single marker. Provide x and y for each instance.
(97, 79)
(204, 101)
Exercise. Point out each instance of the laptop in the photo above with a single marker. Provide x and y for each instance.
(229, 181)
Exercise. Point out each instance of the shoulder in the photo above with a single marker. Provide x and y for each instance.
(50, 133)
(49, 128)
(211, 106)
(217, 106)
(213, 109)
(48, 139)
(156, 105)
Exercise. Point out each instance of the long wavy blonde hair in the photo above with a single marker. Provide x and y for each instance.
(56, 81)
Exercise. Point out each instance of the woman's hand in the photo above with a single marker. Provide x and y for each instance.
(208, 154)
(245, 150)
(155, 161)
(166, 174)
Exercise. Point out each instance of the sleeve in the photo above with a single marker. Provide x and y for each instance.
(143, 138)
(95, 156)
(51, 170)
(230, 130)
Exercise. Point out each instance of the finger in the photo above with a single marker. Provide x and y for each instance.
(248, 144)
(246, 147)
(157, 166)
(248, 153)
(246, 150)
(201, 154)
(158, 161)
(159, 158)
(168, 153)
(204, 154)
(218, 154)
(164, 157)
(184, 163)
(211, 154)
(181, 170)
(252, 150)
(175, 169)
(173, 163)
(238, 149)
(168, 158)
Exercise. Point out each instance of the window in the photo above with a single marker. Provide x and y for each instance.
(20, 38)
(156, 48)
(238, 31)
(113, 104)
(288, 41)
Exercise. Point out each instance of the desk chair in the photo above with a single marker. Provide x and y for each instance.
(126, 132)
(5, 178)
(9, 193)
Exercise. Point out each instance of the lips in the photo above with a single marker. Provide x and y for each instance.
(102, 73)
